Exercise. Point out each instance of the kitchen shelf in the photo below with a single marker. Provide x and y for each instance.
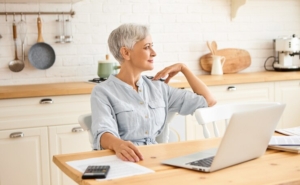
(235, 5)
(40, 1)
(72, 13)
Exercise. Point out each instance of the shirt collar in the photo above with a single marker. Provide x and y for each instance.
(140, 82)
(120, 82)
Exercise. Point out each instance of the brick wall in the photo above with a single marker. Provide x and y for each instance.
(180, 29)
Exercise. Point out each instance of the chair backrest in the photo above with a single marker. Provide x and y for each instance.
(85, 121)
(167, 135)
(211, 115)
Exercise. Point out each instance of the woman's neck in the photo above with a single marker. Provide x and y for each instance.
(128, 76)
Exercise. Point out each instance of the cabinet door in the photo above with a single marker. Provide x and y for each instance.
(252, 92)
(24, 157)
(289, 92)
(63, 140)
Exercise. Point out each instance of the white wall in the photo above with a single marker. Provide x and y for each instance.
(180, 29)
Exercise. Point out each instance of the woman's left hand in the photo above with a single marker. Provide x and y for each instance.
(169, 71)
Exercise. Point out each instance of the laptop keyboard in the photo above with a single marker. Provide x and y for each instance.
(202, 162)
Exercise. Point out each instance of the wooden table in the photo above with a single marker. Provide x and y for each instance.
(275, 167)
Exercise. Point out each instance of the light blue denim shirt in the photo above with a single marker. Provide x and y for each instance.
(137, 116)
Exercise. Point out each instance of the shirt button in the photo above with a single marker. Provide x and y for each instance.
(146, 116)
(141, 103)
(140, 90)
(146, 132)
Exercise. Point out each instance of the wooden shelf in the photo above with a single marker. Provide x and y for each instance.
(235, 5)
(40, 1)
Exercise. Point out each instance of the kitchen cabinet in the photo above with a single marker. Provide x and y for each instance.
(289, 92)
(250, 92)
(49, 126)
(63, 140)
(24, 157)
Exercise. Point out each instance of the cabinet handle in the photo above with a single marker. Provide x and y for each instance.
(46, 101)
(77, 129)
(231, 88)
(16, 134)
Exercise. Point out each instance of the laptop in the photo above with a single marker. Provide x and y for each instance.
(246, 137)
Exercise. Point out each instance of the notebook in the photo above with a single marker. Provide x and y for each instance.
(293, 149)
(294, 131)
(246, 137)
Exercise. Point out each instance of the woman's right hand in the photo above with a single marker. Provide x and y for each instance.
(127, 151)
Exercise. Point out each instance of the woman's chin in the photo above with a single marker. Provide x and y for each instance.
(150, 66)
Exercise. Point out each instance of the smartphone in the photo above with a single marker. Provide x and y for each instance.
(96, 172)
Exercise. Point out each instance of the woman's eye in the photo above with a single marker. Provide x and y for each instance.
(148, 47)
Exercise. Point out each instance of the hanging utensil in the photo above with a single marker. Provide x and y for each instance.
(68, 31)
(15, 65)
(60, 37)
(41, 55)
(23, 32)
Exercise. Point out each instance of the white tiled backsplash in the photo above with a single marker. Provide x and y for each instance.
(180, 29)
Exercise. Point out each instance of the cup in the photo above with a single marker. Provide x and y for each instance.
(217, 65)
(107, 67)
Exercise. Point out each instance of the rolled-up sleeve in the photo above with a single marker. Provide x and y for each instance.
(184, 102)
(102, 118)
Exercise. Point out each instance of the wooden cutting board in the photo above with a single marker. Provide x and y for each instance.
(236, 60)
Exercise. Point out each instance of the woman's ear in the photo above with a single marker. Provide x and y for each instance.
(125, 53)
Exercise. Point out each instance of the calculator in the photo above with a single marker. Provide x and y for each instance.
(96, 172)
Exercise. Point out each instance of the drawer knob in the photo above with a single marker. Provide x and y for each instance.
(231, 88)
(77, 129)
(16, 135)
(46, 101)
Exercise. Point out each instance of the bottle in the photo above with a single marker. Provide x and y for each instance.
(68, 30)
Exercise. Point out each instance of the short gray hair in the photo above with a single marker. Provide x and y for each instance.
(126, 35)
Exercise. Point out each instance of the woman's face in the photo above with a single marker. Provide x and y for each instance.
(142, 54)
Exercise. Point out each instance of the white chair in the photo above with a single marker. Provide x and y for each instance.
(211, 115)
(167, 135)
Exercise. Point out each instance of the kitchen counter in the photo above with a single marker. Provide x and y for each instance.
(52, 89)
(58, 89)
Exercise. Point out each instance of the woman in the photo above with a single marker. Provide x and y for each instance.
(129, 109)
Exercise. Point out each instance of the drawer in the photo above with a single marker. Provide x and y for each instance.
(42, 111)
(243, 92)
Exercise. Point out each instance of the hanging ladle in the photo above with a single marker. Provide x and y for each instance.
(15, 65)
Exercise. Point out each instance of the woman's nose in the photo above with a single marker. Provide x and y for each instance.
(153, 53)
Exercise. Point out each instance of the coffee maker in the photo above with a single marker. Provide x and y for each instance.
(287, 48)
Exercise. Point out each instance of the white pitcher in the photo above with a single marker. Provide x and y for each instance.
(217, 65)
